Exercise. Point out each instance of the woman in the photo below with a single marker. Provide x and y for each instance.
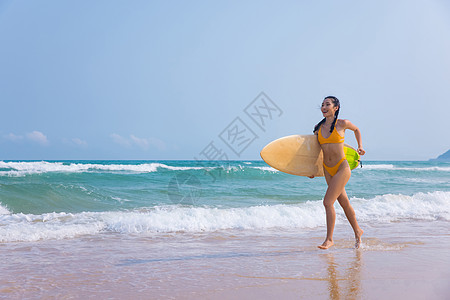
(330, 133)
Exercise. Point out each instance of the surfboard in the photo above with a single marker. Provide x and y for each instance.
(301, 155)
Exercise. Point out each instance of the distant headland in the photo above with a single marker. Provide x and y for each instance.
(443, 157)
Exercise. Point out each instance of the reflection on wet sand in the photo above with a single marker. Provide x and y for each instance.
(351, 279)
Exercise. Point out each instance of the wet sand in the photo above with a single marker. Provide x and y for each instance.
(407, 260)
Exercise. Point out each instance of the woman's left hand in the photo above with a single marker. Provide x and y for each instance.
(361, 151)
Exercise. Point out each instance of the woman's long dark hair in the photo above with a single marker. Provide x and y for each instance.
(336, 114)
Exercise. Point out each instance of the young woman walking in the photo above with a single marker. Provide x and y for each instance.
(330, 133)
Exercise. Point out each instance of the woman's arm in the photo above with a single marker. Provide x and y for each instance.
(352, 127)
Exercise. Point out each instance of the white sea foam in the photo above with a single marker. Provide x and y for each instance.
(4, 210)
(397, 168)
(441, 169)
(427, 180)
(213, 219)
(266, 169)
(389, 207)
(378, 167)
(38, 167)
(28, 227)
(21, 227)
(433, 206)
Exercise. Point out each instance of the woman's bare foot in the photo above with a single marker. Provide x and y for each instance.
(327, 244)
(358, 235)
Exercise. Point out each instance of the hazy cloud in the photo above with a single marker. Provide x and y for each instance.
(75, 142)
(38, 137)
(79, 142)
(13, 137)
(120, 140)
(157, 143)
(143, 143)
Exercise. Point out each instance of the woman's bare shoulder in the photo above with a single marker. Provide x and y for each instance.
(346, 124)
(342, 123)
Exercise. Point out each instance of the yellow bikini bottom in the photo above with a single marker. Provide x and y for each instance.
(333, 170)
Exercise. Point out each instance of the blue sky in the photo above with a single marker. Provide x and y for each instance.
(163, 79)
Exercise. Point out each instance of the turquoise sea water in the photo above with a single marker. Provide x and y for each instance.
(51, 200)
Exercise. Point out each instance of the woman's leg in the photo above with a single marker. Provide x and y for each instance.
(351, 217)
(336, 185)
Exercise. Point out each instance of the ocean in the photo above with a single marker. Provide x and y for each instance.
(142, 217)
(46, 200)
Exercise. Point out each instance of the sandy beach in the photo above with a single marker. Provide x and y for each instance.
(412, 263)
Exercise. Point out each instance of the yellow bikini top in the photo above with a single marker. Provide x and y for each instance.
(334, 137)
